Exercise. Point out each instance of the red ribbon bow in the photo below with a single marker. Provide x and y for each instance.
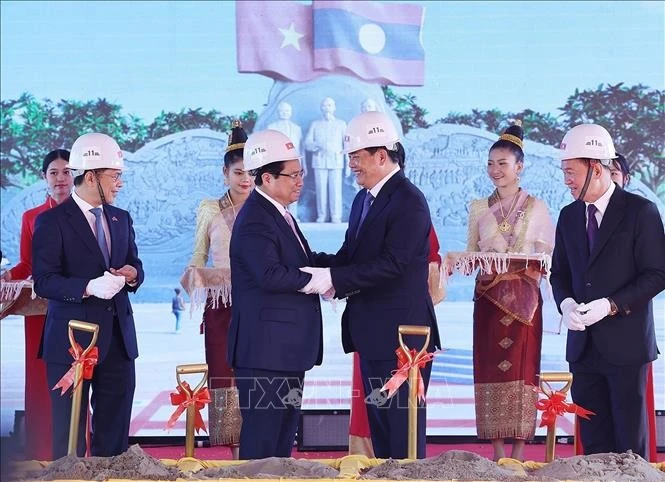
(555, 405)
(185, 398)
(402, 373)
(88, 361)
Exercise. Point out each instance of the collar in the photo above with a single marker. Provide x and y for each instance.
(84, 205)
(280, 208)
(602, 202)
(377, 187)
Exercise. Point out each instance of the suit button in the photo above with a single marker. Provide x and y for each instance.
(108, 308)
(588, 285)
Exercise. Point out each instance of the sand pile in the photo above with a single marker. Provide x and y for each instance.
(133, 464)
(451, 465)
(616, 467)
(270, 468)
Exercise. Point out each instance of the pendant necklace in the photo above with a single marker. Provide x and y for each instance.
(505, 226)
(228, 195)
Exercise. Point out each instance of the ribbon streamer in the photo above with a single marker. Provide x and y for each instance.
(402, 373)
(88, 361)
(555, 405)
(184, 398)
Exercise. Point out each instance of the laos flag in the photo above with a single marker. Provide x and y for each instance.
(377, 42)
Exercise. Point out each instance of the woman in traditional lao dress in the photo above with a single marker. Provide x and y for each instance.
(214, 223)
(59, 182)
(507, 315)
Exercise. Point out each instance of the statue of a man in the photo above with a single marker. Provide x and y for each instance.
(325, 140)
(293, 131)
(369, 105)
(286, 126)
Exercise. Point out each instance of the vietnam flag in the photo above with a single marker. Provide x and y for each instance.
(377, 42)
(275, 39)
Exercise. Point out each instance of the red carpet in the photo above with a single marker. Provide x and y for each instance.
(535, 452)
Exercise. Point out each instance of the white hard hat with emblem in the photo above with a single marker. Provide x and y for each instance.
(588, 141)
(95, 151)
(370, 129)
(268, 146)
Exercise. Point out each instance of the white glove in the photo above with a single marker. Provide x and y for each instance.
(106, 286)
(320, 282)
(570, 317)
(594, 311)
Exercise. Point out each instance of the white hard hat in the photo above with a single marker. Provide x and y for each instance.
(588, 141)
(95, 151)
(266, 147)
(370, 129)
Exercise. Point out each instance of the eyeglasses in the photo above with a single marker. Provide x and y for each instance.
(116, 177)
(295, 175)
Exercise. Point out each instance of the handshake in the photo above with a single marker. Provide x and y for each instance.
(577, 317)
(320, 284)
(106, 286)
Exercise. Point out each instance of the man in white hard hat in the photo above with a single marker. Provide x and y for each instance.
(85, 262)
(276, 331)
(608, 264)
(382, 270)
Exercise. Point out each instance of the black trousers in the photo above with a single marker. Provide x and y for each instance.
(617, 396)
(388, 418)
(270, 407)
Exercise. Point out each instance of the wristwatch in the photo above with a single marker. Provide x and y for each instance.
(613, 307)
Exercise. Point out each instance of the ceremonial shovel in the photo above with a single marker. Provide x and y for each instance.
(191, 408)
(546, 377)
(412, 446)
(78, 379)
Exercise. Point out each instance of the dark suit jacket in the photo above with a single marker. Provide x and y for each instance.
(383, 271)
(627, 265)
(273, 326)
(65, 257)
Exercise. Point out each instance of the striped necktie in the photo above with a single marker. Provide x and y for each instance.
(99, 233)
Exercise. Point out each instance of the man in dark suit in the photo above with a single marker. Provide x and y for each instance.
(608, 264)
(276, 331)
(382, 270)
(85, 262)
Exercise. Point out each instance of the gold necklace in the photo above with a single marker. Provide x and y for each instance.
(505, 226)
(228, 195)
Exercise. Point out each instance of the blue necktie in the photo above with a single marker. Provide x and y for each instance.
(592, 226)
(366, 204)
(101, 236)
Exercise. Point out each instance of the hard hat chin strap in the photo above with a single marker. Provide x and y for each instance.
(99, 189)
(587, 181)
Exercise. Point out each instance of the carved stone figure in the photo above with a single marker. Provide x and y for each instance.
(286, 126)
(324, 140)
(369, 105)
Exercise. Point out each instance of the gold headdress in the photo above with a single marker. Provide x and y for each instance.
(237, 137)
(511, 137)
